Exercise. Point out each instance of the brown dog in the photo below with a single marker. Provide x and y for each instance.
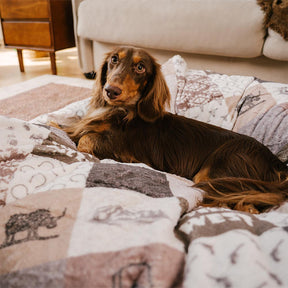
(127, 122)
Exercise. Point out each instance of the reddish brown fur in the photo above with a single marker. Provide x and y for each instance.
(236, 171)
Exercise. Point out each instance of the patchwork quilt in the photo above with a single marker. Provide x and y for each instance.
(70, 220)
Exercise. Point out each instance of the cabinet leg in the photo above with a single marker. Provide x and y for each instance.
(53, 63)
(20, 59)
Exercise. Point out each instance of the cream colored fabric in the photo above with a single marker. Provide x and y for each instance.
(84, 46)
(202, 32)
(227, 28)
(260, 67)
(276, 47)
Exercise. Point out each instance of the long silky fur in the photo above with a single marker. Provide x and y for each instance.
(179, 145)
(238, 192)
(98, 110)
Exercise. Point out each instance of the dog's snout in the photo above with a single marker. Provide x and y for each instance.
(112, 91)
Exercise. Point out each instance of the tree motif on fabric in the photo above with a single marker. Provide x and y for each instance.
(195, 90)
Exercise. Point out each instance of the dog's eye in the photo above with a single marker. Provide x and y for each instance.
(140, 68)
(114, 59)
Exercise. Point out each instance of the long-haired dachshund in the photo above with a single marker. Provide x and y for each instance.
(127, 122)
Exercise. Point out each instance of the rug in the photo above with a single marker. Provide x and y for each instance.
(41, 95)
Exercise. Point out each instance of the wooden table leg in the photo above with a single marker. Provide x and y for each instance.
(20, 59)
(53, 63)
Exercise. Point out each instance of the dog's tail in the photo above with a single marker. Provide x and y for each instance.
(240, 193)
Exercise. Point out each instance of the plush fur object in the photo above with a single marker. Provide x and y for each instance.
(276, 15)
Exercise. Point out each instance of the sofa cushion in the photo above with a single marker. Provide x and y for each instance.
(275, 46)
(228, 28)
(263, 114)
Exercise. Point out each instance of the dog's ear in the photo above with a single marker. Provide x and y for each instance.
(151, 105)
(101, 78)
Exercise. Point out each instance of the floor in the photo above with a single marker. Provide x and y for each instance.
(36, 64)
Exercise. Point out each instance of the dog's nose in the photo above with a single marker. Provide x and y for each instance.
(112, 91)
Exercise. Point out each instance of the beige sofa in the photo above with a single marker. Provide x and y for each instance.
(89, 223)
(224, 36)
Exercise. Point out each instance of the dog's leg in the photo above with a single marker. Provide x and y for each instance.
(99, 145)
(86, 144)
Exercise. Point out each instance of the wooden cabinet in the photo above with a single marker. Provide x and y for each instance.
(45, 25)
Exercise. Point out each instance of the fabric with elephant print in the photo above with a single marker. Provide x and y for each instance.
(70, 220)
(31, 223)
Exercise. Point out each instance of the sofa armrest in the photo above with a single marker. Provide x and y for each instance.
(84, 46)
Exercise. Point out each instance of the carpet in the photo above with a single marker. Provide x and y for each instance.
(41, 95)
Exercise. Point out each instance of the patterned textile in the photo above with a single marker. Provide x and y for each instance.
(64, 212)
(70, 220)
(247, 105)
(233, 249)
(263, 114)
(203, 95)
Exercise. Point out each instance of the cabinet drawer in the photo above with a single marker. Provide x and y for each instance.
(27, 34)
(24, 9)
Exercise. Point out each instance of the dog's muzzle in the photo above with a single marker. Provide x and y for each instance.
(112, 91)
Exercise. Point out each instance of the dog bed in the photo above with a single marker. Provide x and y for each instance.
(70, 220)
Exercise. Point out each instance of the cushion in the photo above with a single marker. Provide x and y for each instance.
(204, 95)
(263, 114)
(247, 105)
(275, 46)
(227, 28)
(89, 223)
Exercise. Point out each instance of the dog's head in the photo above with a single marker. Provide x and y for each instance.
(131, 78)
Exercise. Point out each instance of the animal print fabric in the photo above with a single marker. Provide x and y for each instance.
(67, 218)
(204, 95)
(233, 249)
(263, 114)
(70, 220)
(241, 103)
